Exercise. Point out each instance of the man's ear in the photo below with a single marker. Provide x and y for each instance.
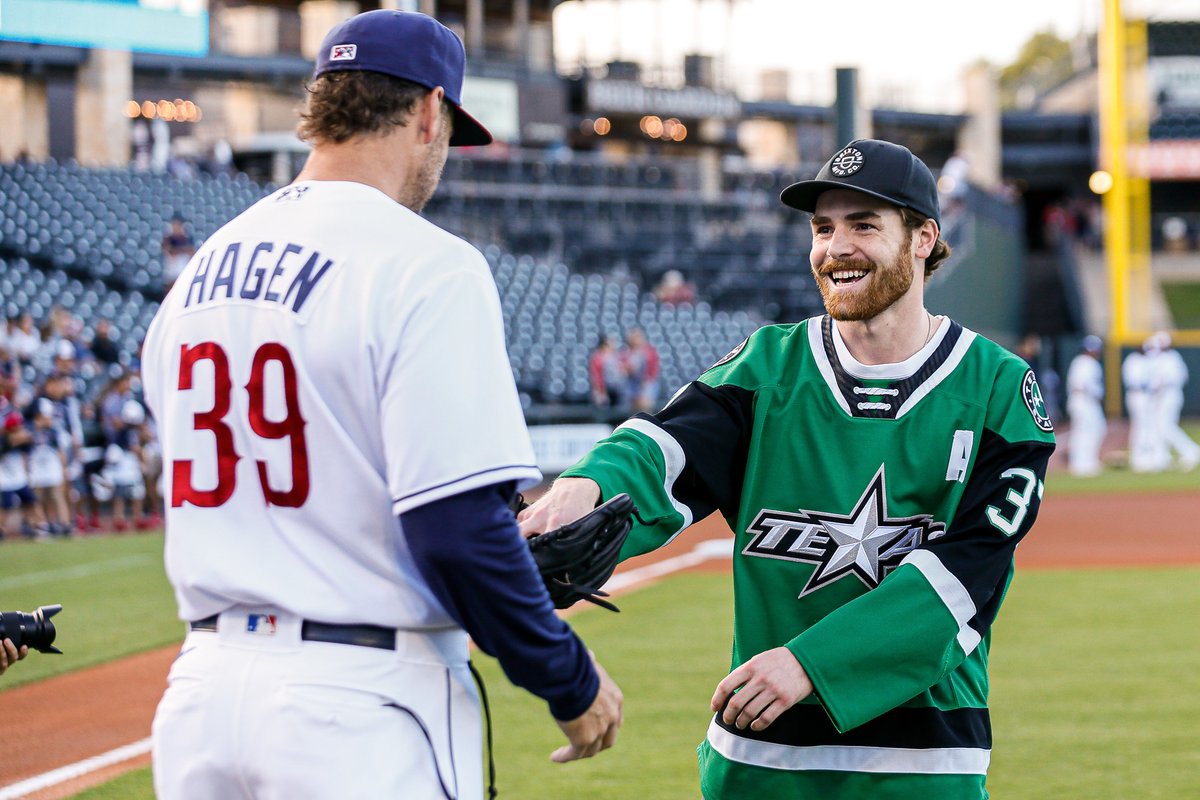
(925, 238)
(429, 115)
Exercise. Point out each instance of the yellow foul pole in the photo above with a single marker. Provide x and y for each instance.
(1113, 156)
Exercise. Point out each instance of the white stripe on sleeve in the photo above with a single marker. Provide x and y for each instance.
(952, 593)
(673, 458)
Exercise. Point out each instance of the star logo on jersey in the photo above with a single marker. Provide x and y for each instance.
(866, 543)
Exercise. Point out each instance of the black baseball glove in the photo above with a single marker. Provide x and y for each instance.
(576, 559)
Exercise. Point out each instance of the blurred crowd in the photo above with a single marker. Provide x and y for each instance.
(625, 376)
(78, 452)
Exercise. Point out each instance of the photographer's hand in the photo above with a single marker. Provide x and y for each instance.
(10, 655)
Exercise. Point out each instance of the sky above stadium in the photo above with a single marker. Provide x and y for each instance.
(912, 53)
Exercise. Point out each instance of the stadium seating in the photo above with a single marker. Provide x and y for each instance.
(554, 317)
(108, 224)
(89, 240)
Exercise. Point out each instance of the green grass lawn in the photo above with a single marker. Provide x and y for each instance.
(1183, 299)
(1096, 689)
(114, 593)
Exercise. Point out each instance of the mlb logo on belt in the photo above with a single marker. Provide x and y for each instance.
(262, 624)
(343, 52)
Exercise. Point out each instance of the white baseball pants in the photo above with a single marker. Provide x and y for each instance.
(263, 714)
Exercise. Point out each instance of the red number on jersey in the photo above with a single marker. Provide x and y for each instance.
(291, 427)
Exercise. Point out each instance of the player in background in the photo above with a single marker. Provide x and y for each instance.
(1135, 379)
(878, 465)
(1085, 407)
(341, 439)
(1168, 374)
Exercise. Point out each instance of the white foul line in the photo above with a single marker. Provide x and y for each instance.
(704, 551)
(73, 771)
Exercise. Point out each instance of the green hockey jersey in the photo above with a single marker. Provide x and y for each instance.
(876, 509)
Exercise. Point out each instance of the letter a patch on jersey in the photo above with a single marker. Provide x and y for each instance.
(866, 543)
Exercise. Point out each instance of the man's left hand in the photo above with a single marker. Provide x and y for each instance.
(756, 693)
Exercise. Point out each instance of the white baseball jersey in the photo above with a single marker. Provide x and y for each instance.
(1085, 377)
(326, 360)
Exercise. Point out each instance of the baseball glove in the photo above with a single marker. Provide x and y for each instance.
(576, 559)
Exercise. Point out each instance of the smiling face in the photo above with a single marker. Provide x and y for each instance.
(862, 254)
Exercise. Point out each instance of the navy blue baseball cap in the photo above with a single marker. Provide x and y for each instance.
(407, 45)
(871, 166)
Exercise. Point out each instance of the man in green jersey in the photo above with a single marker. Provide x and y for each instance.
(878, 466)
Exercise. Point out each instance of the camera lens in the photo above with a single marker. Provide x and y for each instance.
(35, 630)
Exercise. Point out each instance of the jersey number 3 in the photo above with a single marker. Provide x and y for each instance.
(291, 427)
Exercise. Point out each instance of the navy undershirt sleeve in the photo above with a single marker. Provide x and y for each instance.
(475, 561)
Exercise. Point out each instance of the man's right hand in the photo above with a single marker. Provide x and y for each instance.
(566, 501)
(595, 729)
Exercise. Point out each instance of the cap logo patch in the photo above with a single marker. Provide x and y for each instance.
(847, 162)
(343, 52)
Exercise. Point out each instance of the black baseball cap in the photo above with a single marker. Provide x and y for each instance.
(871, 166)
(407, 45)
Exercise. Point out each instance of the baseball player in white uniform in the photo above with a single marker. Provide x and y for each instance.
(1085, 391)
(1167, 375)
(1135, 377)
(341, 439)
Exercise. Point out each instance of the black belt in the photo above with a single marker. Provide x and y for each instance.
(361, 635)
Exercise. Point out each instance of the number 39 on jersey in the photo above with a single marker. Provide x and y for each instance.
(270, 359)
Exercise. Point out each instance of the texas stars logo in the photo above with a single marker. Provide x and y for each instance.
(865, 543)
(1031, 393)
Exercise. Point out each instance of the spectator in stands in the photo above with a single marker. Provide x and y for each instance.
(1085, 393)
(103, 348)
(123, 468)
(673, 289)
(177, 248)
(1175, 235)
(61, 389)
(639, 360)
(24, 339)
(110, 402)
(952, 183)
(152, 465)
(606, 374)
(48, 468)
(92, 456)
(17, 503)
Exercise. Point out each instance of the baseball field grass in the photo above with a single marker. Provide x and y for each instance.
(114, 593)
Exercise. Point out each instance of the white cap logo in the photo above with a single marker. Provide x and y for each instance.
(846, 162)
(343, 52)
